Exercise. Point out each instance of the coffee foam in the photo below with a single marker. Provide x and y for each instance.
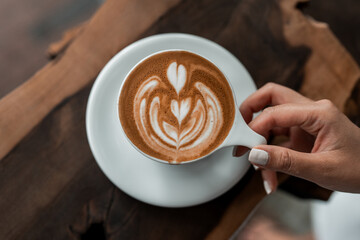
(176, 106)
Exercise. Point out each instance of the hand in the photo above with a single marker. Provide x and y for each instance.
(323, 146)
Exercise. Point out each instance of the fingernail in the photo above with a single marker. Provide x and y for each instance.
(267, 187)
(259, 157)
(255, 167)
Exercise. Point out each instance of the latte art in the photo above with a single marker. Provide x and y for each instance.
(178, 110)
(204, 120)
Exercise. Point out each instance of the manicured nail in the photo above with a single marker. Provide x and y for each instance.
(255, 167)
(267, 187)
(259, 157)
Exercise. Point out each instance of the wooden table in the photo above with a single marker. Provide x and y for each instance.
(50, 184)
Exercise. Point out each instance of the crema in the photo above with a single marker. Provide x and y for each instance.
(176, 106)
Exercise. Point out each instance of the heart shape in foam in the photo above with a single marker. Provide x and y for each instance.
(180, 109)
(176, 76)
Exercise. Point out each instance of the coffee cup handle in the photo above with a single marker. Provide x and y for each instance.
(242, 135)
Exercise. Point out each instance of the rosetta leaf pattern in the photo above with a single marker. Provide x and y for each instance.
(197, 120)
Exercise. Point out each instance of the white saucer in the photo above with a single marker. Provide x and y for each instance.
(144, 179)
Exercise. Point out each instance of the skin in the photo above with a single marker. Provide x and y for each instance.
(323, 144)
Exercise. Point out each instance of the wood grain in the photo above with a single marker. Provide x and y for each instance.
(60, 46)
(77, 67)
(327, 53)
(50, 184)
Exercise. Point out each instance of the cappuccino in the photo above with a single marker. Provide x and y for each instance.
(176, 106)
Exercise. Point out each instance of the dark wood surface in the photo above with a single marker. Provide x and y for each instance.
(51, 187)
(26, 30)
(27, 27)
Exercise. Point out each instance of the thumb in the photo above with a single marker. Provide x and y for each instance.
(284, 160)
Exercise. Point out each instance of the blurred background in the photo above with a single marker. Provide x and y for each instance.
(27, 27)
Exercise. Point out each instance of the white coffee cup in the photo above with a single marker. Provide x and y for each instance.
(240, 133)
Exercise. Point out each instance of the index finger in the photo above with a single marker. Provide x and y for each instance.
(270, 94)
(288, 115)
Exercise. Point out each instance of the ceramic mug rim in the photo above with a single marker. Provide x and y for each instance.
(160, 160)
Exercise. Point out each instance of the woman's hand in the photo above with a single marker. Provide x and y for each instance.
(323, 146)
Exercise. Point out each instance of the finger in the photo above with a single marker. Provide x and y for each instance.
(288, 115)
(270, 94)
(270, 180)
(304, 165)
